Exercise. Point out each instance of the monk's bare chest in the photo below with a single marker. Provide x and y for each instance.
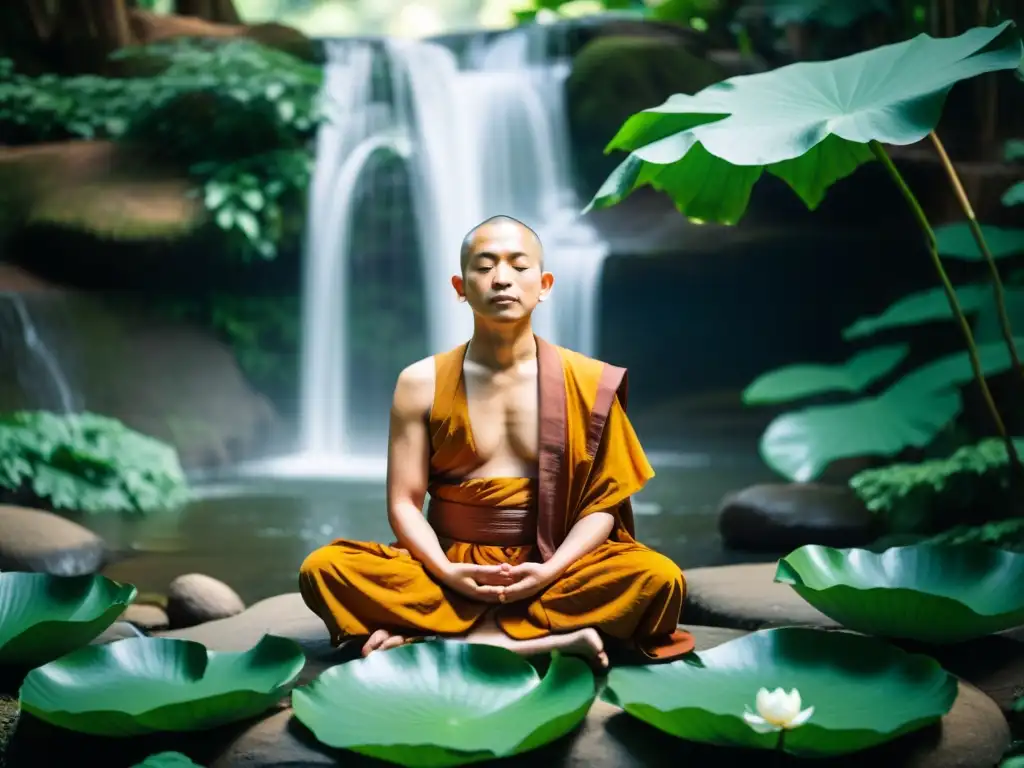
(503, 417)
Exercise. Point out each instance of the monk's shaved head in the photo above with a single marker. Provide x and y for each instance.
(469, 242)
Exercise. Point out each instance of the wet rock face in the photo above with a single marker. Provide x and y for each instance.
(42, 542)
(782, 517)
(171, 381)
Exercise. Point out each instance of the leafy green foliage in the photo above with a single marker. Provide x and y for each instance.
(1005, 534)
(796, 381)
(831, 13)
(239, 115)
(955, 241)
(88, 463)
(931, 495)
(807, 123)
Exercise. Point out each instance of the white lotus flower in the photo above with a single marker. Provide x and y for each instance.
(777, 711)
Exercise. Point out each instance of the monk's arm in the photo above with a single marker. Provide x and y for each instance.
(584, 536)
(408, 468)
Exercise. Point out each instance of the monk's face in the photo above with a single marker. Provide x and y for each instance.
(502, 276)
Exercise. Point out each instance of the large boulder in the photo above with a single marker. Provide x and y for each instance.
(778, 517)
(42, 542)
(746, 597)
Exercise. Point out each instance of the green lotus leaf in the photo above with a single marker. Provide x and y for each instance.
(864, 691)
(909, 414)
(1013, 150)
(444, 703)
(928, 592)
(807, 123)
(167, 760)
(42, 617)
(803, 380)
(929, 305)
(148, 684)
(955, 241)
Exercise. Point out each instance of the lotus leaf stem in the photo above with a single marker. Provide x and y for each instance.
(954, 303)
(979, 238)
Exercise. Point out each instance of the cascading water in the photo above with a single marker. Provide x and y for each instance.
(38, 370)
(482, 137)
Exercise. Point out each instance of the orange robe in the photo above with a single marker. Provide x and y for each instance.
(590, 461)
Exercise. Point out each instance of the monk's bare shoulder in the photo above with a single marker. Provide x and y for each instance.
(414, 390)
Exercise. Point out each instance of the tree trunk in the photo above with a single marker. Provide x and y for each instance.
(219, 11)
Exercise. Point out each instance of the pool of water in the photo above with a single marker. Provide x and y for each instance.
(253, 533)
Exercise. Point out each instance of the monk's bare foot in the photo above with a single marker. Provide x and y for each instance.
(586, 643)
(583, 642)
(382, 640)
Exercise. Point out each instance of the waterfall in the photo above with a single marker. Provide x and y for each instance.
(480, 137)
(41, 365)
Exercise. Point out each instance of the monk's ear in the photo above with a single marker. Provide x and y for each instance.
(547, 280)
(459, 286)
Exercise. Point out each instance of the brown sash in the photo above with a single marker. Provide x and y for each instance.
(552, 492)
(488, 526)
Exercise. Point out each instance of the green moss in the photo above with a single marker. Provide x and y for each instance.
(615, 76)
(9, 712)
(971, 486)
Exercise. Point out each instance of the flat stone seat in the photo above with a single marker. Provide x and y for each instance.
(746, 597)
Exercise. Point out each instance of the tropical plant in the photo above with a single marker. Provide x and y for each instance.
(88, 463)
(863, 690)
(812, 124)
(147, 684)
(938, 494)
(42, 617)
(237, 114)
(927, 592)
(1004, 534)
(457, 703)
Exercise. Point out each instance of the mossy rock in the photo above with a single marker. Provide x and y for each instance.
(9, 711)
(616, 76)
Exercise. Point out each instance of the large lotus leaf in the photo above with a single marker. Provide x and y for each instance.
(1013, 150)
(803, 380)
(864, 691)
(909, 414)
(808, 123)
(444, 703)
(148, 684)
(955, 241)
(42, 617)
(928, 592)
(925, 306)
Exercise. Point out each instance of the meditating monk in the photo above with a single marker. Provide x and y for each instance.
(530, 461)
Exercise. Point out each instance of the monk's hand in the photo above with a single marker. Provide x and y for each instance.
(480, 582)
(529, 579)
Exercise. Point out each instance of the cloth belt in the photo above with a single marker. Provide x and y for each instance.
(487, 526)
